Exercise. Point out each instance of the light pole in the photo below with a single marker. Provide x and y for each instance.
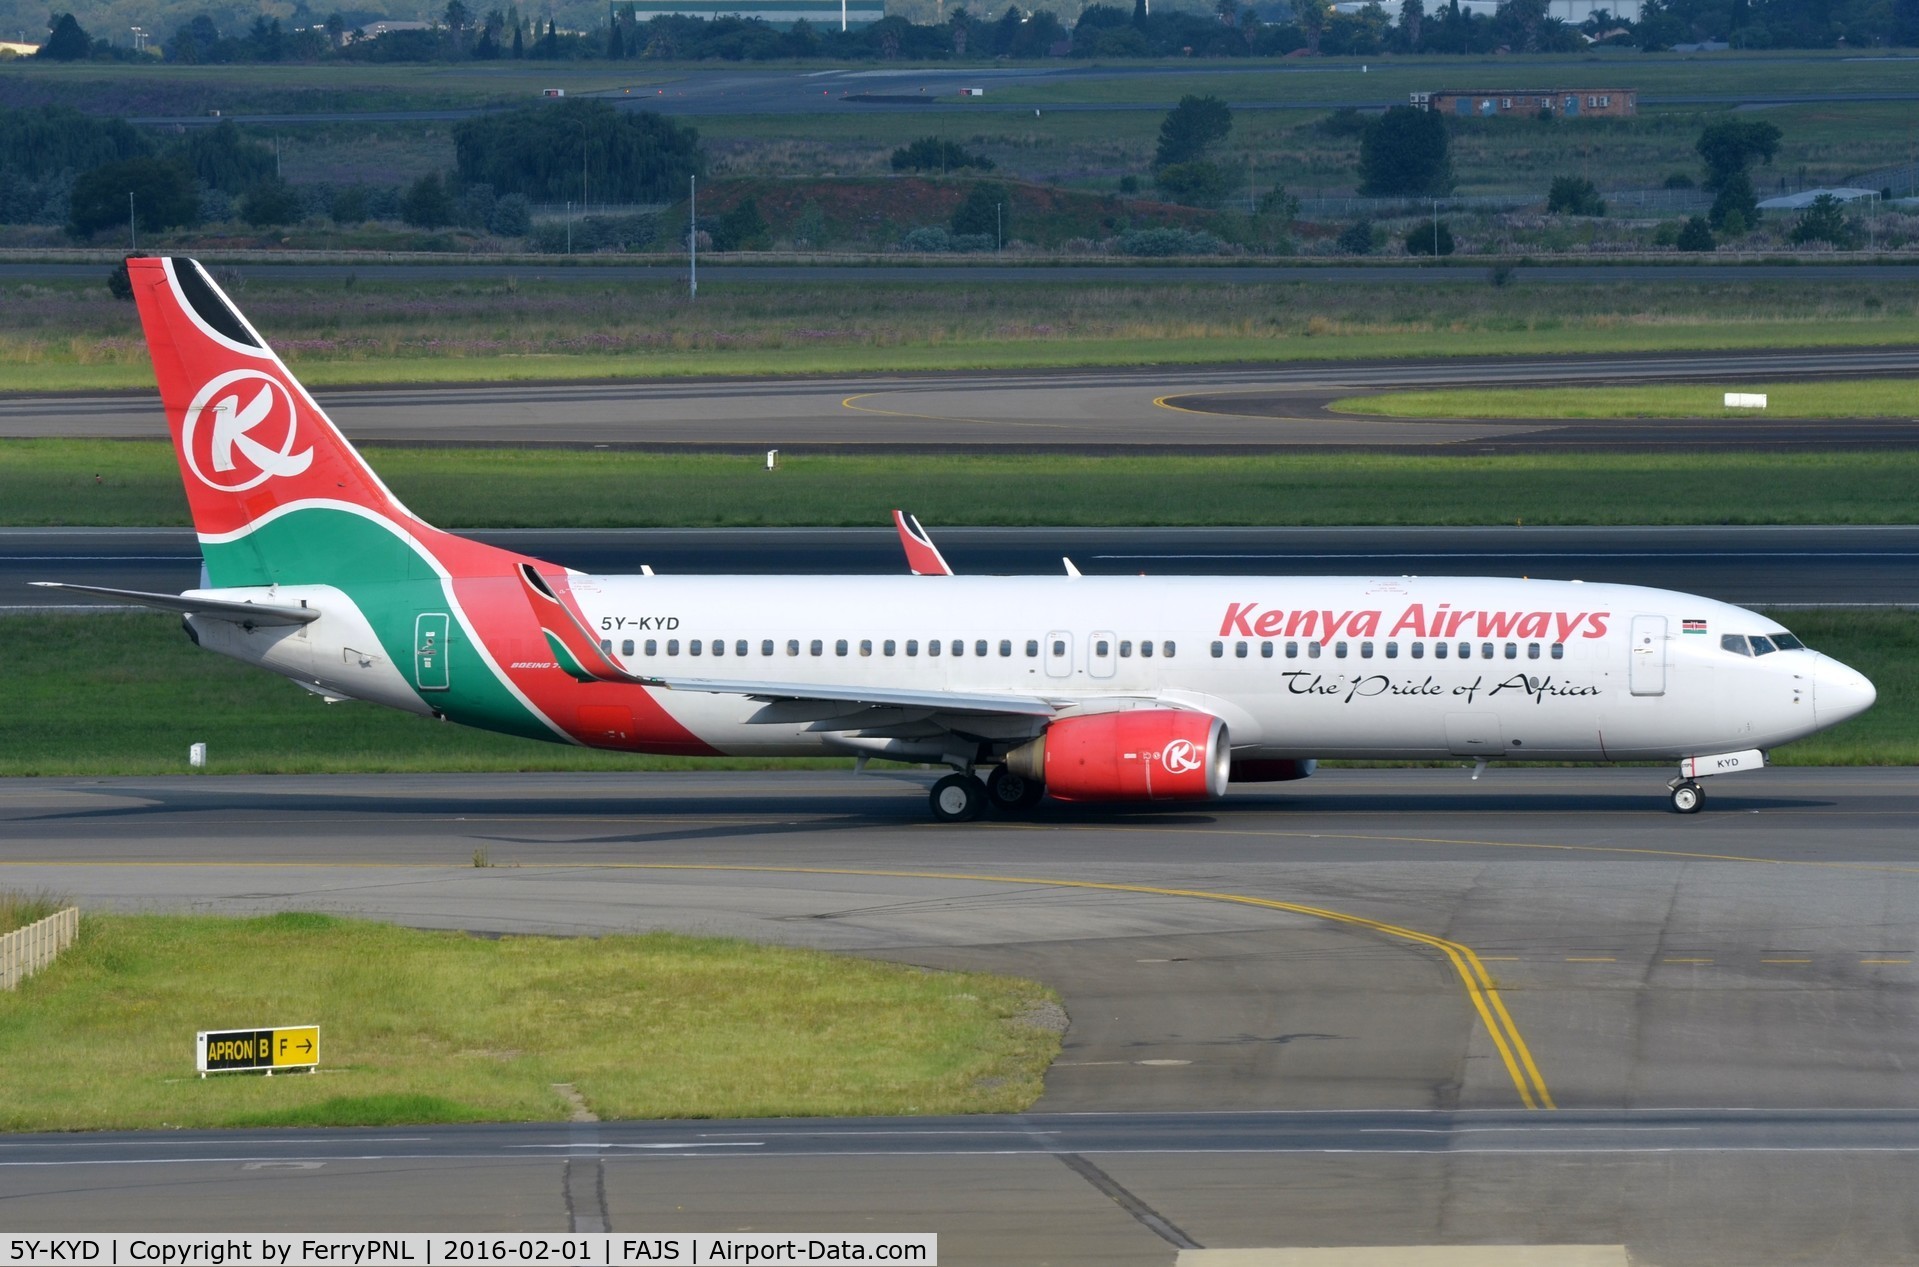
(133, 239)
(999, 227)
(692, 237)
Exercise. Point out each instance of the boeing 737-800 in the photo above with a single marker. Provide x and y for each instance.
(1079, 687)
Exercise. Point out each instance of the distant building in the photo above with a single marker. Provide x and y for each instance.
(838, 15)
(18, 50)
(1490, 103)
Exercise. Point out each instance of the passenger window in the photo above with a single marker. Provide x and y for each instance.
(1265, 650)
(693, 647)
(1339, 650)
(1125, 648)
(866, 646)
(1365, 650)
(1102, 648)
(1032, 648)
(1735, 643)
(1532, 651)
(1292, 651)
(1239, 650)
(652, 646)
(1762, 645)
(1219, 649)
(672, 646)
(739, 648)
(819, 648)
(1059, 647)
(1485, 650)
(912, 646)
(719, 646)
(766, 646)
(979, 647)
(1312, 651)
(933, 647)
(1005, 646)
(1466, 651)
(1392, 651)
(1167, 649)
(1418, 650)
(959, 646)
(1512, 651)
(1145, 650)
(889, 646)
(792, 646)
(606, 645)
(1439, 650)
(626, 648)
(1559, 651)
(839, 648)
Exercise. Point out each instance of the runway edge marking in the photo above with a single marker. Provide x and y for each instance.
(1465, 963)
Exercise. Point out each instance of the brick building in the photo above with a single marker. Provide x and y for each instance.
(1489, 103)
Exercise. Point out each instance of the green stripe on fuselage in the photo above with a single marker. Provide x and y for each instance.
(393, 583)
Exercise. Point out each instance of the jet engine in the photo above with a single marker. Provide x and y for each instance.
(1145, 755)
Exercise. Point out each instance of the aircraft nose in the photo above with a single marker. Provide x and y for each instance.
(1840, 692)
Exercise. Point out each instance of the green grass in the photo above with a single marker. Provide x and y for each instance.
(72, 336)
(136, 483)
(17, 910)
(1863, 398)
(441, 1027)
(127, 694)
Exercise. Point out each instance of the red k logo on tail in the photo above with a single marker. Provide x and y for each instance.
(240, 431)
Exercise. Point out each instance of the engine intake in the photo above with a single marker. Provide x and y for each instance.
(1144, 755)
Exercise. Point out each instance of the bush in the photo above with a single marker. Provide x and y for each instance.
(1825, 221)
(1356, 238)
(933, 154)
(1425, 238)
(1129, 184)
(1736, 199)
(634, 156)
(426, 205)
(271, 202)
(933, 240)
(163, 196)
(1167, 242)
(1405, 151)
(740, 229)
(1191, 128)
(512, 217)
(987, 211)
(348, 205)
(1197, 184)
(1574, 196)
(1696, 236)
(598, 233)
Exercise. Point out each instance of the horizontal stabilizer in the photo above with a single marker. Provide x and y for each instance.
(190, 604)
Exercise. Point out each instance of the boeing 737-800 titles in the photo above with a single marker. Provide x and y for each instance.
(1079, 687)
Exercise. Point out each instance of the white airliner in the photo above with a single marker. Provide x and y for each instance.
(1083, 688)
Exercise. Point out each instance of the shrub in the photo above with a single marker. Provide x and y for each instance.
(512, 216)
(1198, 184)
(986, 210)
(1356, 238)
(271, 202)
(1426, 238)
(935, 154)
(426, 205)
(1167, 242)
(1696, 236)
(1574, 196)
(1825, 221)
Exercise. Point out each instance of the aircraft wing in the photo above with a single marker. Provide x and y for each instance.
(862, 696)
(190, 604)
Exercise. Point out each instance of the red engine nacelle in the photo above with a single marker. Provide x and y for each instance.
(1148, 755)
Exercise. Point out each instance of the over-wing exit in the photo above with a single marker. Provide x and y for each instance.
(1078, 687)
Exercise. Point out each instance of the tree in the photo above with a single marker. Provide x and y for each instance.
(1427, 238)
(1574, 196)
(1412, 14)
(220, 158)
(1696, 236)
(512, 217)
(1310, 16)
(1356, 238)
(1736, 198)
(1825, 221)
(271, 202)
(985, 210)
(163, 196)
(636, 157)
(1730, 146)
(196, 43)
(741, 228)
(1405, 151)
(426, 205)
(68, 41)
(1191, 128)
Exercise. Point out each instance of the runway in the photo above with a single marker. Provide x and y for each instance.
(1227, 409)
(1749, 566)
(1721, 1007)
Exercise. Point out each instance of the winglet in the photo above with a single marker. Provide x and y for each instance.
(922, 556)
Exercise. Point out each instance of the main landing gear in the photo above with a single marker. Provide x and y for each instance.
(959, 798)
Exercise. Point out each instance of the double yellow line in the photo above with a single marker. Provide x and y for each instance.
(1481, 991)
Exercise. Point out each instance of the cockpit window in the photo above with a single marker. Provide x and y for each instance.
(1762, 645)
(1735, 643)
(1786, 642)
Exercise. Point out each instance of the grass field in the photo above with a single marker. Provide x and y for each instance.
(127, 694)
(17, 910)
(419, 1027)
(136, 483)
(68, 336)
(1865, 398)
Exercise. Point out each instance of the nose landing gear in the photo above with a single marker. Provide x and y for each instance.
(1687, 797)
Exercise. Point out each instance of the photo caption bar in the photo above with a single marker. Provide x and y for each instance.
(441, 1249)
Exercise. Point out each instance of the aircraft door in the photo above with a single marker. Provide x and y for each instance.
(1059, 654)
(1099, 653)
(430, 633)
(1648, 665)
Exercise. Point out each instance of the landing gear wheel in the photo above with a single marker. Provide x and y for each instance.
(957, 798)
(1009, 793)
(1687, 798)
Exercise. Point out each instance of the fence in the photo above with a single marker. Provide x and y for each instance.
(25, 951)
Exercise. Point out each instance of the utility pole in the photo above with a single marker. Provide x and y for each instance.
(692, 237)
(569, 226)
(999, 227)
(133, 239)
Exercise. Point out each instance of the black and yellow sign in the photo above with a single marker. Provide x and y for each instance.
(287, 1047)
